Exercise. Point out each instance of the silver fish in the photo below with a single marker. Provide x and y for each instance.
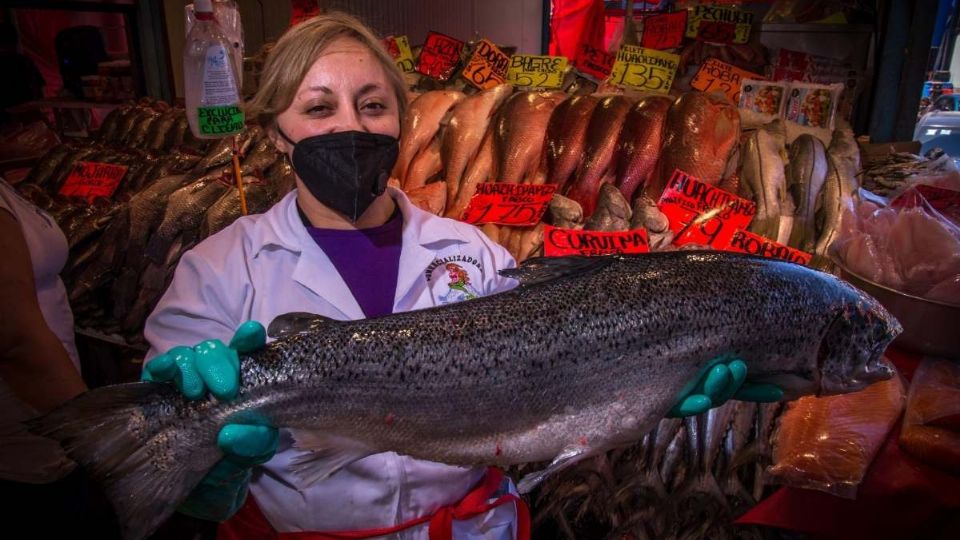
(806, 173)
(612, 211)
(357, 387)
(762, 177)
(838, 192)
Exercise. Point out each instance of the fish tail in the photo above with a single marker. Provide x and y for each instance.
(128, 439)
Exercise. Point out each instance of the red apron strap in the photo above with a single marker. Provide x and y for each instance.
(248, 523)
(441, 522)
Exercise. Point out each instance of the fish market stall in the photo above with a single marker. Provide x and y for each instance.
(694, 128)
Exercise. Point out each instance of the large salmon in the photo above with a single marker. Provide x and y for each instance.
(585, 355)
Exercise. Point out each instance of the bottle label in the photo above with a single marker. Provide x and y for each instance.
(219, 85)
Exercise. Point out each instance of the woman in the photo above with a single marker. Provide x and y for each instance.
(343, 246)
(340, 246)
(43, 491)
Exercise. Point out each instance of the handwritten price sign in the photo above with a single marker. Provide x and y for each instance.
(508, 204)
(487, 67)
(717, 76)
(702, 214)
(399, 49)
(533, 71)
(644, 69)
(90, 180)
(664, 31)
(440, 56)
(593, 62)
(754, 244)
(719, 24)
(563, 242)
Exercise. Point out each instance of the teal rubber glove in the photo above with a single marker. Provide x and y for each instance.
(723, 381)
(214, 367)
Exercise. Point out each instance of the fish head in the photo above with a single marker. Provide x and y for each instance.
(851, 351)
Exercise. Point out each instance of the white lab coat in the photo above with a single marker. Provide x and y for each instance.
(267, 265)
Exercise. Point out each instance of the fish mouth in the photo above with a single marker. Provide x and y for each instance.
(851, 353)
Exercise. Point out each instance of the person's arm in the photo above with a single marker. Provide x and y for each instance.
(33, 361)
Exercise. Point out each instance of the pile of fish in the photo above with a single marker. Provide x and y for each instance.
(177, 190)
(891, 175)
(686, 478)
(579, 143)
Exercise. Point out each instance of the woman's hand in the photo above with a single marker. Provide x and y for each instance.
(214, 367)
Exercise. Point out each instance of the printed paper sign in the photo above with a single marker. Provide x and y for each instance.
(664, 31)
(534, 71)
(90, 180)
(754, 244)
(508, 204)
(222, 120)
(563, 242)
(703, 214)
(399, 49)
(594, 62)
(487, 67)
(644, 69)
(439, 56)
(719, 24)
(715, 75)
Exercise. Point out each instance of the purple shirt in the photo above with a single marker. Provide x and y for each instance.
(368, 260)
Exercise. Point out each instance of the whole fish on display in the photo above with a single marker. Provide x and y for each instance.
(359, 386)
(763, 179)
(419, 125)
(566, 137)
(519, 132)
(639, 146)
(597, 165)
(806, 173)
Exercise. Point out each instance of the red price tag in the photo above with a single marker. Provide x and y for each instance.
(301, 10)
(440, 56)
(563, 242)
(754, 244)
(90, 180)
(508, 204)
(594, 62)
(390, 44)
(487, 67)
(717, 32)
(943, 200)
(703, 214)
(664, 31)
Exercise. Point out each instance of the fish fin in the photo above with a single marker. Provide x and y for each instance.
(133, 446)
(324, 455)
(544, 269)
(566, 458)
(295, 323)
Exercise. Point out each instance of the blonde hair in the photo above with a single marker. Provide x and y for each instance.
(296, 51)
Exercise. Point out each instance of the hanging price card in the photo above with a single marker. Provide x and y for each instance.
(528, 70)
(644, 69)
(90, 180)
(719, 24)
(717, 76)
(754, 244)
(399, 49)
(703, 214)
(593, 62)
(508, 204)
(664, 31)
(487, 67)
(301, 10)
(563, 242)
(439, 56)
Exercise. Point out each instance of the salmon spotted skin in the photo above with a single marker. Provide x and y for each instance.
(587, 354)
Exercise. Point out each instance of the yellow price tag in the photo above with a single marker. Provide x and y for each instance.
(487, 67)
(644, 69)
(536, 71)
(405, 58)
(719, 24)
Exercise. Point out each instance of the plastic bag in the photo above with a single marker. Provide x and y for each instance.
(813, 105)
(827, 443)
(764, 97)
(931, 425)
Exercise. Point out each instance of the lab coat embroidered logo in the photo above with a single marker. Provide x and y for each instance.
(452, 279)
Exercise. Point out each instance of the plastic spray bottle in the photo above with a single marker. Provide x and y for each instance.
(211, 82)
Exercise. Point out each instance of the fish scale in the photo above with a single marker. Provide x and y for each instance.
(650, 323)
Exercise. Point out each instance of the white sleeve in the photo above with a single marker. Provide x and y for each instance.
(200, 304)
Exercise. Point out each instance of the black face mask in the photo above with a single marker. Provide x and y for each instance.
(345, 171)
